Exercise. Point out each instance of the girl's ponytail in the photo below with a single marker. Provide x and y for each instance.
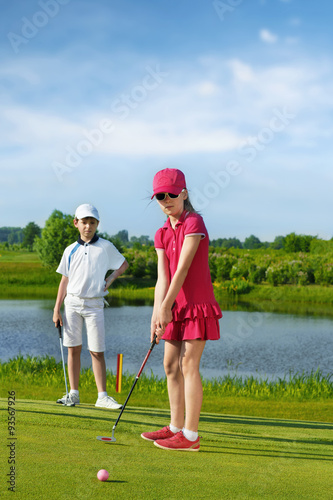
(188, 206)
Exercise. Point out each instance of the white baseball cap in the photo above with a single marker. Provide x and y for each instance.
(86, 210)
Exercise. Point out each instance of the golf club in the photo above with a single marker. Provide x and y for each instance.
(67, 401)
(112, 439)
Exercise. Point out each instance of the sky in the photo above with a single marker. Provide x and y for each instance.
(99, 95)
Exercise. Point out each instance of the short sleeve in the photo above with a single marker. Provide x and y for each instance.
(158, 241)
(63, 267)
(194, 224)
(115, 258)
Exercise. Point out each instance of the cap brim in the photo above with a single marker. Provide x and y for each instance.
(81, 216)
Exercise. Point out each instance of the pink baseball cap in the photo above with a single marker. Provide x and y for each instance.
(169, 180)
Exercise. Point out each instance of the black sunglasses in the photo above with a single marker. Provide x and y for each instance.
(162, 196)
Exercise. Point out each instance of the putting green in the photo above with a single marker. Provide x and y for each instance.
(57, 456)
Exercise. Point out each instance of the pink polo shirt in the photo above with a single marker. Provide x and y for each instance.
(196, 298)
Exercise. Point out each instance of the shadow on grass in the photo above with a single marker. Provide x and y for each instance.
(297, 424)
(213, 440)
(285, 455)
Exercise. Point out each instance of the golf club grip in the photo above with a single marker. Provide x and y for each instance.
(59, 329)
(152, 345)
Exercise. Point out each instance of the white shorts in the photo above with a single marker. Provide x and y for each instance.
(91, 311)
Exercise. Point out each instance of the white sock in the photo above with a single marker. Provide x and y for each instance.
(190, 435)
(102, 395)
(174, 429)
(74, 391)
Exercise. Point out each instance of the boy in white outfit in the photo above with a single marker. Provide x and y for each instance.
(82, 288)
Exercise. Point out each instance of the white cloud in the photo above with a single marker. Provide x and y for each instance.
(183, 116)
(241, 71)
(267, 36)
(207, 88)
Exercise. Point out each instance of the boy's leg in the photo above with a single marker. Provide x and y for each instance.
(73, 323)
(190, 362)
(99, 369)
(175, 382)
(74, 366)
(94, 318)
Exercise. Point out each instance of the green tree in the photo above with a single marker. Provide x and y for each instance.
(226, 243)
(122, 236)
(141, 240)
(30, 232)
(114, 240)
(252, 242)
(278, 243)
(58, 233)
(298, 242)
(11, 235)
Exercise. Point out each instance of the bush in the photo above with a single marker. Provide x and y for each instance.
(224, 264)
(324, 274)
(239, 286)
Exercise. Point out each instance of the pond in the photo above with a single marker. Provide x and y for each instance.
(267, 345)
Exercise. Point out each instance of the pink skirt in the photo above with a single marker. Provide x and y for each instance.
(192, 329)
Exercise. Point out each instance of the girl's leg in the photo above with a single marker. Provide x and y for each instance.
(175, 382)
(99, 369)
(74, 366)
(191, 353)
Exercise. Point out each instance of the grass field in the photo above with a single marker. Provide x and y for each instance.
(57, 456)
(297, 396)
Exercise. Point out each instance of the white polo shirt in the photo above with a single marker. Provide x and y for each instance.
(86, 264)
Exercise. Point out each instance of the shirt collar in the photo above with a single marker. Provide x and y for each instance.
(93, 240)
(180, 221)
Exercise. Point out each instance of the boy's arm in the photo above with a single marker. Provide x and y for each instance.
(116, 274)
(62, 291)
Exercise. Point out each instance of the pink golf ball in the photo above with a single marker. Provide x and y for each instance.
(102, 475)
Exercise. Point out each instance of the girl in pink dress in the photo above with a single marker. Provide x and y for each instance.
(185, 313)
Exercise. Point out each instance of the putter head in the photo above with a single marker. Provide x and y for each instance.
(106, 439)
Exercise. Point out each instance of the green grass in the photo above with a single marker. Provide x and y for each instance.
(296, 396)
(18, 256)
(58, 456)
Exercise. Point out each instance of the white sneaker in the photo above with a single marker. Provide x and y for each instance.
(72, 398)
(108, 402)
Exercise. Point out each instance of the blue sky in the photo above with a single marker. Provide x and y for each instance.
(97, 96)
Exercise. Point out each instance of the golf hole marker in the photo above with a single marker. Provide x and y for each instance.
(119, 372)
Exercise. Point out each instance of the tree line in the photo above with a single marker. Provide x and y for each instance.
(291, 259)
(25, 237)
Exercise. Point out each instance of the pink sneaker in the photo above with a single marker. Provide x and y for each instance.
(164, 433)
(178, 442)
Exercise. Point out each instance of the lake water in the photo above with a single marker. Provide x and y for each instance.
(252, 343)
